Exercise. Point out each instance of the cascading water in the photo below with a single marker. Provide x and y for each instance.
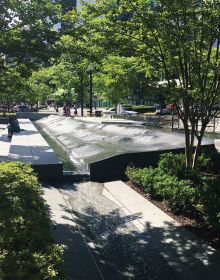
(89, 141)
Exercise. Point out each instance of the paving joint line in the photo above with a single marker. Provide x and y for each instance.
(67, 204)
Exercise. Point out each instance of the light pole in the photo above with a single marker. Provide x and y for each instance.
(90, 68)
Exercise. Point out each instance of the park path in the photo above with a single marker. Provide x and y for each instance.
(111, 232)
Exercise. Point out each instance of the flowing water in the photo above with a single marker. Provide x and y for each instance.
(89, 140)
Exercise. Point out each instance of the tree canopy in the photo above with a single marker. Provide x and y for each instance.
(179, 40)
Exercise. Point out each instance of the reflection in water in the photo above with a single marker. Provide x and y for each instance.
(90, 141)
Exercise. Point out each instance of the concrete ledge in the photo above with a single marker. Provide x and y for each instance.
(4, 144)
(29, 146)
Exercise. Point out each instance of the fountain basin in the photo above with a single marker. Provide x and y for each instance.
(105, 149)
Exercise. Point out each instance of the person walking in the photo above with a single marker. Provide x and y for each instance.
(75, 111)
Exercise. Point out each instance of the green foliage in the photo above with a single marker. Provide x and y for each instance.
(143, 108)
(179, 194)
(7, 114)
(165, 38)
(27, 248)
(181, 191)
(135, 175)
(209, 201)
(173, 164)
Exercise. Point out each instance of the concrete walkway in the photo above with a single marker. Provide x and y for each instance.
(78, 261)
(183, 251)
(172, 251)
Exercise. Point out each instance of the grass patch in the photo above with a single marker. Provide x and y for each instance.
(67, 163)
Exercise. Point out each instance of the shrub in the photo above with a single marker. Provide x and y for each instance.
(209, 201)
(148, 180)
(143, 109)
(135, 175)
(199, 192)
(27, 248)
(173, 164)
(204, 162)
(179, 194)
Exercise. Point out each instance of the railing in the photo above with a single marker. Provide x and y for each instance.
(168, 121)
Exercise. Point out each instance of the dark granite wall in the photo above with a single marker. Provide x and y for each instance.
(114, 168)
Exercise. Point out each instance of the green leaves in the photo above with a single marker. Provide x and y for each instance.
(27, 248)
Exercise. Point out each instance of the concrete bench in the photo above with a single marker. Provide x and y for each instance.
(29, 146)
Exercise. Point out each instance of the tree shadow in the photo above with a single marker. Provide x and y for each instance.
(119, 251)
(122, 250)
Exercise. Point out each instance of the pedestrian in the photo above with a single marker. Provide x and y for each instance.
(68, 111)
(75, 111)
(13, 126)
(64, 111)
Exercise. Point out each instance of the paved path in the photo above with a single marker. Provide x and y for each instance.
(111, 232)
(80, 260)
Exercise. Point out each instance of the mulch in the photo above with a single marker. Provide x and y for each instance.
(207, 233)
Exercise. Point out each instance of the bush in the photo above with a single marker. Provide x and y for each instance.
(135, 175)
(173, 164)
(143, 109)
(27, 248)
(198, 192)
(148, 181)
(209, 201)
(7, 114)
(178, 194)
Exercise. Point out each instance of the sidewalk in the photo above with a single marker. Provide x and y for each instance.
(183, 251)
(187, 257)
(78, 260)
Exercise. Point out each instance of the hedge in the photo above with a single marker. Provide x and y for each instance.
(28, 250)
(143, 109)
(195, 192)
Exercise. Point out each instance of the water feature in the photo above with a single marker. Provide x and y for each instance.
(89, 140)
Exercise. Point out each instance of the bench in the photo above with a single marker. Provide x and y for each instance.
(29, 146)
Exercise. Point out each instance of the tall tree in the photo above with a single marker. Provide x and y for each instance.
(26, 36)
(180, 40)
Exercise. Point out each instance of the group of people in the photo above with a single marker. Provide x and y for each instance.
(66, 111)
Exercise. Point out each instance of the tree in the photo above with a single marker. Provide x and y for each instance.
(8, 88)
(26, 36)
(118, 78)
(180, 40)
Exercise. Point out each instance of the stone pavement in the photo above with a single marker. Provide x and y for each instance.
(169, 250)
(79, 262)
(184, 252)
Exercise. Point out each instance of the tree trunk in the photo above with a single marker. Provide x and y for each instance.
(188, 147)
(81, 95)
(198, 147)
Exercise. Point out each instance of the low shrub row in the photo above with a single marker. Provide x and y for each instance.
(7, 114)
(27, 248)
(143, 109)
(197, 193)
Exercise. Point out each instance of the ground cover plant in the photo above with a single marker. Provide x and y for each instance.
(195, 194)
(27, 248)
